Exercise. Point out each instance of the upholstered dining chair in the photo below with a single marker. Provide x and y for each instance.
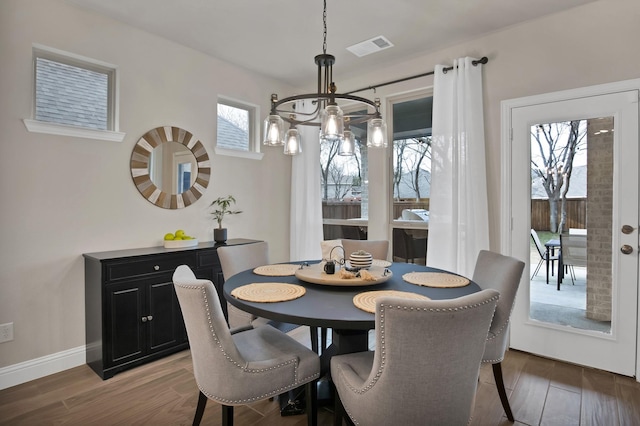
(425, 368)
(235, 259)
(238, 369)
(501, 273)
(379, 249)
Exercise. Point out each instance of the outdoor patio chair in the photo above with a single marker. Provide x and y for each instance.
(544, 255)
(573, 252)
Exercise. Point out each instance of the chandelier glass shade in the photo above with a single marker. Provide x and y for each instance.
(292, 142)
(377, 133)
(348, 145)
(326, 114)
(274, 130)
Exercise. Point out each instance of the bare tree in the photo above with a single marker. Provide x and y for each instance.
(410, 155)
(327, 154)
(398, 150)
(339, 178)
(557, 144)
(422, 150)
(236, 116)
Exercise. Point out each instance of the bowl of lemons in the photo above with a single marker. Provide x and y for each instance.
(179, 239)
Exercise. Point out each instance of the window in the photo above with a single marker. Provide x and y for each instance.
(73, 96)
(238, 132)
(344, 182)
(411, 160)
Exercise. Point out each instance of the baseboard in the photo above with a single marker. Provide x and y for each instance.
(23, 372)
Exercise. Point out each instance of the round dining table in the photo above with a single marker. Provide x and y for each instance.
(332, 306)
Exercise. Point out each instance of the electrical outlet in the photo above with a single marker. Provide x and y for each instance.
(6, 332)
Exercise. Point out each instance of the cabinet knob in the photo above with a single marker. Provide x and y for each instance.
(156, 268)
(150, 317)
(144, 319)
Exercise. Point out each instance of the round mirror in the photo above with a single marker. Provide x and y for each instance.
(170, 167)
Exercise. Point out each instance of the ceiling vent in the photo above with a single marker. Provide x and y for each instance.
(370, 46)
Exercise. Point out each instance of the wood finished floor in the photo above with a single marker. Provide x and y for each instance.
(541, 391)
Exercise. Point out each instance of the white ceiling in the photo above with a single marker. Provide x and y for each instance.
(280, 38)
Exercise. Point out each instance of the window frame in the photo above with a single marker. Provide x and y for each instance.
(112, 132)
(253, 152)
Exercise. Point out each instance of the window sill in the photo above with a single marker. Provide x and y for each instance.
(36, 126)
(240, 154)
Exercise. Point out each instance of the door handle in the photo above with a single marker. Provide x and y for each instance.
(626, 249)
(627, 229)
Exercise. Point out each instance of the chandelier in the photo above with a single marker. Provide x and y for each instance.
(334, 124)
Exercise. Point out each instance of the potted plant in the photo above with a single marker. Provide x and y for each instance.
(222, 208)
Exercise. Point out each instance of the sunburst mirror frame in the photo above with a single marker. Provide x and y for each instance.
(141, 156)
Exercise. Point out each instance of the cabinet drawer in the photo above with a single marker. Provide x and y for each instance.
(207, 259)
(148, 266)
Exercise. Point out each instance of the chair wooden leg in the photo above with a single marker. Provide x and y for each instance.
(338, 410)
(202, 403)
(314, 339)
(497, 374)
(323, 338)
(227, 415)
(311, 397)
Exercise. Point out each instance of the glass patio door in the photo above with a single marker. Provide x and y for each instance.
(574, 180)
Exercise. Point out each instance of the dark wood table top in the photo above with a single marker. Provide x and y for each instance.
(332, 306)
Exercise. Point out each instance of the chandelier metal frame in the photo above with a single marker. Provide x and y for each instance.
(325, 99)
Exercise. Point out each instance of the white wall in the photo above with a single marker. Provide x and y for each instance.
(592, 44)
(66, 196)
(63, 196)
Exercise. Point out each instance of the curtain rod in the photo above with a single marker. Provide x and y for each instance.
(482, 60)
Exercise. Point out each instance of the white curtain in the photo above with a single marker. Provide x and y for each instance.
(306, 197)
(458, 218)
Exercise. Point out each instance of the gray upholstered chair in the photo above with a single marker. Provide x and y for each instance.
(235, 259)
(425, 368)
(501, 273)
(379, 249)
(240, 368)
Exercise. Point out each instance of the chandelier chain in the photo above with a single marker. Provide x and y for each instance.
(324, 23)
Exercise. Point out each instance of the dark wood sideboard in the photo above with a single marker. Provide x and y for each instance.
(132, 314)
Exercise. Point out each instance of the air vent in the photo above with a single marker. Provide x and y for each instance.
(370, 46)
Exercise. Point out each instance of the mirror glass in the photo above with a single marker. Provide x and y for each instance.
(173, 167)
(170, 167)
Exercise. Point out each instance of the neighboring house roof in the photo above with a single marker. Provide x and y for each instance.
(231, 136)
(70, 95)
(577, 186)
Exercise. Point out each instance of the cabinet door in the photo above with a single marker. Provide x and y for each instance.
(164, 318)
(209, 268)
(124, 327)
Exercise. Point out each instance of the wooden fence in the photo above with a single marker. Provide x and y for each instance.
(576, 214)
(351, 209)
(576, 211)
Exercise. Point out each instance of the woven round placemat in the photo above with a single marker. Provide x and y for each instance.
(367, 299)
(381, 263)
(277, 270)
(268, 292)
(435, 279)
